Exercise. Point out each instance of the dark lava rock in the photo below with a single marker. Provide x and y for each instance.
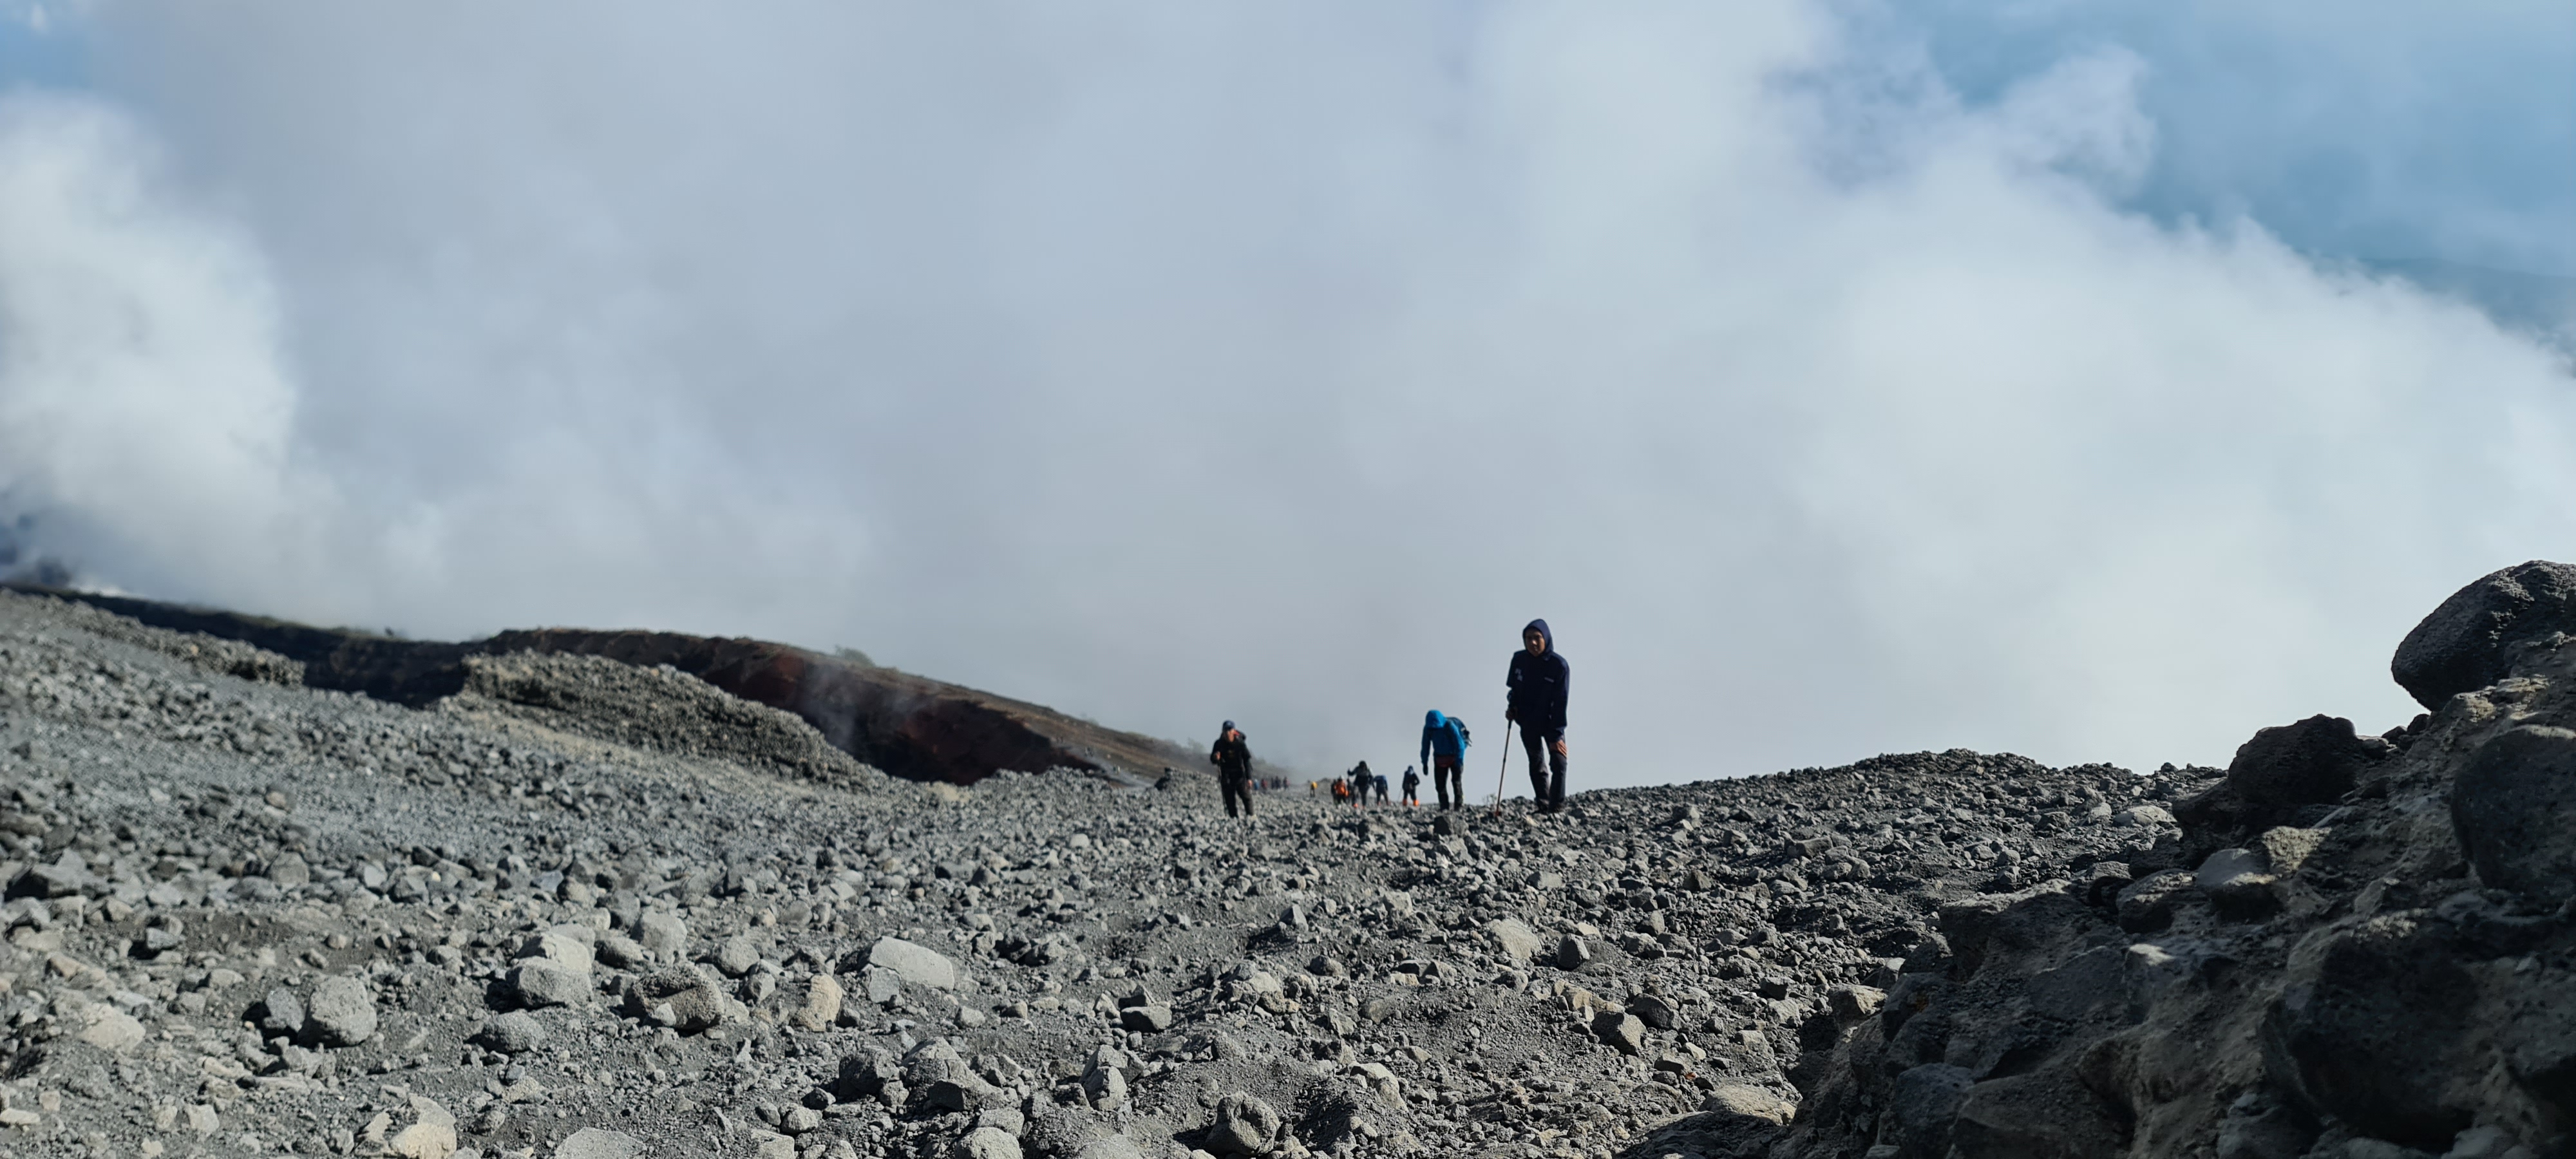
(2371, 1035)
(2314, 761)
(2468, 642)
(2514, 809)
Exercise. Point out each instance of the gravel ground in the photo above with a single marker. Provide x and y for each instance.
(603, 911)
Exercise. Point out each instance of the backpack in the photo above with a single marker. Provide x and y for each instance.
(1463, 739)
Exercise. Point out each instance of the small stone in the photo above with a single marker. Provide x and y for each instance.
(677, 996)
(986, 1143)
(1571, 953)
(516, 1032)
(768, 1146)
(432, 1134)
(203, 1120)
(290, 870)
(108, 1028)
(1850, 1004)
(822, 1006)
(1514, 940)
(621, 951)
(1653, 1010)
(1753, 1102)
(1245, 1125)
(663, 934)
(737, 955)
(593, 1143)
(916, 964)
(281, 1012)
(1152, 1018)
(342, 1012)
(567, 945)
(1620, 1030)
(546, 982)
(2143, 815)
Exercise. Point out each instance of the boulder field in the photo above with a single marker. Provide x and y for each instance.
(579, 907)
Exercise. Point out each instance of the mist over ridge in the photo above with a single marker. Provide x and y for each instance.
(1272, 365)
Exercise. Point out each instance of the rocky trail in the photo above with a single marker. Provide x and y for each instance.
(584, 908)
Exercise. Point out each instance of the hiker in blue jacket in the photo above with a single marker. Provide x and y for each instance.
(1444, 752)
(1538, 681)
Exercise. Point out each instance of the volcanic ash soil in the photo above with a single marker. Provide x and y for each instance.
(589, 910)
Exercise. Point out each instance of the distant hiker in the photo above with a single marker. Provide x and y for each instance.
(1444, 752)
(1381, 789)
(1341, 789)
(1362, 780)
(1233, 761)
(1412, 788)
(1538, 681)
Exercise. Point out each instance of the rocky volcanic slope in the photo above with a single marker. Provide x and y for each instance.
(584, 909)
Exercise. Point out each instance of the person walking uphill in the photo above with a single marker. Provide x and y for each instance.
(1538, 681)
(1233, 761)
(1444, 752)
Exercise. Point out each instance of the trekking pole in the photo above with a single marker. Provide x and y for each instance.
(1504, 773)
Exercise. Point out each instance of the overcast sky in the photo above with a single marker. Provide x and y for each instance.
(1837, 378)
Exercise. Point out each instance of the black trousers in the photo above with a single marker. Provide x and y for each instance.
(1548, 792)
(1449, 781)
(1237, 788)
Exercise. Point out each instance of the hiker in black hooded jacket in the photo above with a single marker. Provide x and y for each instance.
(1538, 681)
(1233, 761)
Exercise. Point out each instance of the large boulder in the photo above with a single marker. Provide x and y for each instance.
(2373, 1029)
(2469, 642)
(2514, 810)
(2315, 761)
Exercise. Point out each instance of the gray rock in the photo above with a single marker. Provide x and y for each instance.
(567, 945)
(822, 1006)
(1922, 1104)
(1620, 1030)
(737, 955)
(2147, 905)
(1245, 1125)
(1571, 953)
(108, 1028)
(516, 1032)
(341, 1012)
(678, 997)
(1514, 940)
(663, 935)
(986, 1143)
(2514, 812)
(1152, 1018)
(622, 952)
(65, 876)
(916, 964)
(1850, 1004)
(281, 1012)
(545, 982)
(2469, 642)
(1653, 1010)
(290, 870)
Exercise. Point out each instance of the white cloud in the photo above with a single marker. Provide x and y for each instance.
(1276, 363)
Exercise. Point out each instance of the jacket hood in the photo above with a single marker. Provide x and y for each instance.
(1543, 633)
(1433, 719)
